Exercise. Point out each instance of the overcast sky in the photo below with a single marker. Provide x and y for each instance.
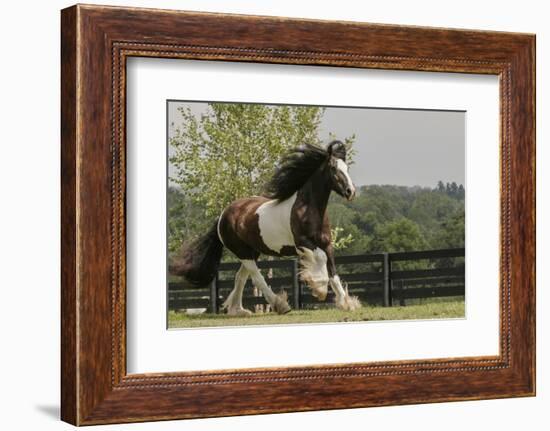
(393, 146)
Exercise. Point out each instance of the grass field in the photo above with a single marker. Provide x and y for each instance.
(434, 310)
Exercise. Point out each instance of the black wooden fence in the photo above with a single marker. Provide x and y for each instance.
(379, 279)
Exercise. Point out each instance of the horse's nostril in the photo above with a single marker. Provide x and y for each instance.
(348, 191)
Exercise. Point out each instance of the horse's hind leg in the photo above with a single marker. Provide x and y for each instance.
(234, 302)
(278, 302)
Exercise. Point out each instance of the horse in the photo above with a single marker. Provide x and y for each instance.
(288, 219)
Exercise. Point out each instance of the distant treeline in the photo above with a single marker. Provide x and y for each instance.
(381, 218)
(397, 218)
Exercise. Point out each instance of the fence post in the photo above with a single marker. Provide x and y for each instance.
(387, 280)
(401, 293)
(214, 295)
(295, 285)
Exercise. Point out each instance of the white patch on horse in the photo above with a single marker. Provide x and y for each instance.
(274, 223)
(314, 270)
(342, 167)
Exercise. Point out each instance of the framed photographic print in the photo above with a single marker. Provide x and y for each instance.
(386, 209)
(325, 214)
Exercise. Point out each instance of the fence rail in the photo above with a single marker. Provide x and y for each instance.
(383, 278)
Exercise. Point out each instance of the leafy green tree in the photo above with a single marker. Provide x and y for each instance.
(340, 214)
(429, 210)
(380, 203)
(452, 234)
(399, 235)
(184, 218)
(369, 220)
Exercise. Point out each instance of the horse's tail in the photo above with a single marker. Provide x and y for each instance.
(199, 261)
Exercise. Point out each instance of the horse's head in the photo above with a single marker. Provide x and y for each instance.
(338, 170)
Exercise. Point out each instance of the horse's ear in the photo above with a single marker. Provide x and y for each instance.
(337, 149)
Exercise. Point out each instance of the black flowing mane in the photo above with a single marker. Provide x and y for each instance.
(298, 166)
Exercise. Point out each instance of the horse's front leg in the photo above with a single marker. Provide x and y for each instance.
(313, 267)
(278, 302)
(342, 298)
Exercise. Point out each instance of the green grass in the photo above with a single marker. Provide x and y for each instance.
(433, 310)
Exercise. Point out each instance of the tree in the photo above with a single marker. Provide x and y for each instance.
(399, 235)
(452, 233)
(454, 189)
(430, 209)
(339, 213)
(184, 218)
(461, 192)
(378, 204)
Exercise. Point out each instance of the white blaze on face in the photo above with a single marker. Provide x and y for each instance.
(342, 167)
(274, 223)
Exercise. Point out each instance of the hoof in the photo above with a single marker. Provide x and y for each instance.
(320, 294)
(348, 303)
(239, 312)
(281, 305)
(282, 308)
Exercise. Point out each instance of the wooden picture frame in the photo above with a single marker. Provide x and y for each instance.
(95, 43)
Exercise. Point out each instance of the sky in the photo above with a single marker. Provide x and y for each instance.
(393, 146)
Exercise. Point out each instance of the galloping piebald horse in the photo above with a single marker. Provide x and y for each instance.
(289, 220)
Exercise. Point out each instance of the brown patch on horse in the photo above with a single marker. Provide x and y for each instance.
(288, 250)
(308, 220)
(234, 223)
